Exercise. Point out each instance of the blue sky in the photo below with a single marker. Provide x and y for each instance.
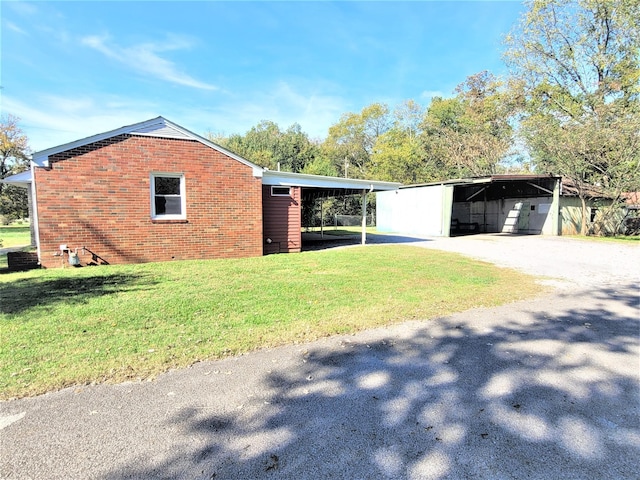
(74, 69)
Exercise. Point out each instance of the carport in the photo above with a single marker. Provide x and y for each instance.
(524, 204)
(284, 192)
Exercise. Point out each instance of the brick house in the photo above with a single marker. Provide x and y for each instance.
(154, 191)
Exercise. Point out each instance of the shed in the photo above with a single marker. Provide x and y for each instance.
(498, 203)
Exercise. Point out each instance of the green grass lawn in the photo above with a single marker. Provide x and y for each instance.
(62, 327)
(14, 235)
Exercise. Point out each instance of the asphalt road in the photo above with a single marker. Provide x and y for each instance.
(540, 389)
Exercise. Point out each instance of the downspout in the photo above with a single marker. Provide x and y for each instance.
(34, 220)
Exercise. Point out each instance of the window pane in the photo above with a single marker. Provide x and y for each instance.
(173, 206)
(160, 205)
(167, 185)
(280, 191)
(168, 205)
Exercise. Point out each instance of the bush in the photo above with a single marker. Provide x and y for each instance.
(632, 226)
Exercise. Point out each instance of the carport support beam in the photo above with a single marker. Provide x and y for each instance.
(322, 218)
(364, 217)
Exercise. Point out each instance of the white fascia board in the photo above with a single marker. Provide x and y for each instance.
(22, 179)
(288, 179)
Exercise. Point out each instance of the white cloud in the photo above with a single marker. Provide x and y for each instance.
(50, 120)
(283, 103)
(430, 94)
(145, 58)
(22, 8)
(58, 120)
(15, 28)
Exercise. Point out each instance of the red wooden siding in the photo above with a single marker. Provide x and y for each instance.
(282, 221)
(98, 196)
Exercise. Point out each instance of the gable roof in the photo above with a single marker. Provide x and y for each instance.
(155, 127)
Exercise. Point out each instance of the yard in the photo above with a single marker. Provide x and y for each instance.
(62, 327)
(14, 235)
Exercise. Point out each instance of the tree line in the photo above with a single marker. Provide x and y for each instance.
(469, 134)
(570, 106)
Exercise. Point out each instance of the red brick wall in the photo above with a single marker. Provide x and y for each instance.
(282, 221)
(98, 196)
(22, 261)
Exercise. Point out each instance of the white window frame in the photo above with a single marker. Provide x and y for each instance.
(288, 194)
(183, 197)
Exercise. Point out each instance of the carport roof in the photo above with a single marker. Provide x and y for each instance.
(319, 186)
(485, 179)
(22, 179)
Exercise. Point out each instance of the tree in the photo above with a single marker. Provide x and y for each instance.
(575, 65)
(397, 154)
(320, 166)
(14, 158)
(268, 146)
(469, 134)
(351, 141)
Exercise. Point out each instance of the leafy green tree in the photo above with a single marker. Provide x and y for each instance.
(351, 141)
(469, 134)
(320, 165)
(14, 158)
(266, 145)
(575, 68)
(295, 149)
(397, 154)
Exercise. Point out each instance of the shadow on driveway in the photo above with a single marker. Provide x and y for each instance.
(499, 393)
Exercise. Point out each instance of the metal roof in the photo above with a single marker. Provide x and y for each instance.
(22, 179)
(271, 177)
(484, 179)
(319, 186)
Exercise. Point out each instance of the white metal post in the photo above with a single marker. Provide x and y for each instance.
(322, 218)
(364, 217)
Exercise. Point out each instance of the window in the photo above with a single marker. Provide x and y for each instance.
(167, 197)
(280, 191)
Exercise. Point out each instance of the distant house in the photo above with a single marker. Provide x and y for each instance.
(596, 202)
(154, 191)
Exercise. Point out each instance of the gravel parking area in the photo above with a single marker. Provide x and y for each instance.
(576, 261)
(540, 389)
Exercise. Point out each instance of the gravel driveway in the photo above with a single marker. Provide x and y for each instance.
(541, 389)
